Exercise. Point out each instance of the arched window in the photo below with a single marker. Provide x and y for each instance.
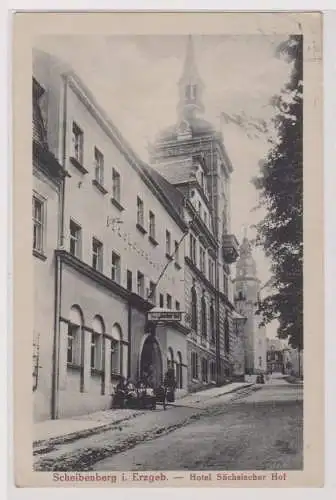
(170, 358)
(193, 309)
(96, 355)
(75, 325)
(179, 379)
(204, 317)
(116, 350)
(212, 322)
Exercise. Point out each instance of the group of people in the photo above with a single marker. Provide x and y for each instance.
(128, 393)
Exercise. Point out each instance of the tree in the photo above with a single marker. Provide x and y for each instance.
(280, 186)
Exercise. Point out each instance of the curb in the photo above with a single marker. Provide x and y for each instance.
(248, 384)
(84, 459)
(43, 445)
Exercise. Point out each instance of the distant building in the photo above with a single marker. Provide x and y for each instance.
(247, 296)
(275, 356)
(192, 157)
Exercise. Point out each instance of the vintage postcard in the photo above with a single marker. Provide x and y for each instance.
(168, 249)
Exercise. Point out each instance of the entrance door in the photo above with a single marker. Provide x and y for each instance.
(151, 361)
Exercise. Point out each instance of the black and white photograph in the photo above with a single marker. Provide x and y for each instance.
(167, 253)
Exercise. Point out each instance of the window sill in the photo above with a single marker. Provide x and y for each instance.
(117, 204)
(141, 228)
(78, 165)
(117, 281)
(76, 255)
(73, 366)
(96, 372)
(39, 254)
(169, 257)
(177, 265)
(153, 240)
(99, 186)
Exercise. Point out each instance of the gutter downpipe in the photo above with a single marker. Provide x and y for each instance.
(58, 274)
(218, 359)
(129, 337)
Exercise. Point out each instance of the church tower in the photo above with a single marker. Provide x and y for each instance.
(191, 155)
(247, 297)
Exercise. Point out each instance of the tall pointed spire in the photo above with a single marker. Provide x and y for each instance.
(189, 69)
(190, 85)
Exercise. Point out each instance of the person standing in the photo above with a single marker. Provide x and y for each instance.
(170, 385)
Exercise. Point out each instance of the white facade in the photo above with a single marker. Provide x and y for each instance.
(118, 231)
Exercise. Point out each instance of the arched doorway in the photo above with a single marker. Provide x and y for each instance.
(151, 361)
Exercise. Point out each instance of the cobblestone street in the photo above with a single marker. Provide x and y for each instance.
(257, 427)
(262, 431)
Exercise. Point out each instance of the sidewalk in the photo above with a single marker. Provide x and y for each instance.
(66, 430)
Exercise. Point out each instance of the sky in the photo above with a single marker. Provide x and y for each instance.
(134, 79)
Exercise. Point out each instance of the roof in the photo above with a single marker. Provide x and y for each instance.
(39, 132)
(175, 197)
(42, 156)
(175, 173)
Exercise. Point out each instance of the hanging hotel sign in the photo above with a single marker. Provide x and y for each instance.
(164, 315)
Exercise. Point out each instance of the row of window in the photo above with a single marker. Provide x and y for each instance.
(208, 271)
(204, 320)
(204, 374)
(152, 231)
(78, 152)
(97, 257)
(97, 263)
(204, 315)
(78, 155)
(75, 350)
